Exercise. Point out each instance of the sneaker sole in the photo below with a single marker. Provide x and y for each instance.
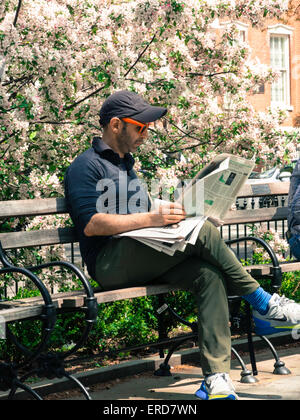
(204, 396)
(265, 328)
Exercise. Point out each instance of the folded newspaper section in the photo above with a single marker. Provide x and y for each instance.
(169, 239)
(210, 193)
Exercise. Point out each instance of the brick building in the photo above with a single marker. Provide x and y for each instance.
(278, 45)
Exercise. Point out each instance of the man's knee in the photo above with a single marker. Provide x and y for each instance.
(209, 277)
(209, 229)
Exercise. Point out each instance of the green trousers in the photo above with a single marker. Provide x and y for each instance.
(209, 269)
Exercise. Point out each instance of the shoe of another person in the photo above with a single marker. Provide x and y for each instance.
(217, 387)
(283, 315)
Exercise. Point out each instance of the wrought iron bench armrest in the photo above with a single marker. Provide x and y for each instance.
(49, 312)
(276, 269)
(91, 308)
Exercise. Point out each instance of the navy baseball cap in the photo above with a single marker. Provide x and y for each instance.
(126, 104)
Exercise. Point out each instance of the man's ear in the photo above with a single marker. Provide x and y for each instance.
(115, 125)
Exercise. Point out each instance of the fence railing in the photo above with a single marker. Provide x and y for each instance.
(234, 231)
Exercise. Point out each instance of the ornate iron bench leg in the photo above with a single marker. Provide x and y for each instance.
(26, 388)
(279, 366)
(246, 375)
(51, 366)
(80, 386)
(9, 381)
(8, 371)
(250, 339)
(164, 368)
(276, 273)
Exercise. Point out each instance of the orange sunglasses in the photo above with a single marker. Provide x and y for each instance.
(143, 126)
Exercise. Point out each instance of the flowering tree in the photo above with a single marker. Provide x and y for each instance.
(61, 58)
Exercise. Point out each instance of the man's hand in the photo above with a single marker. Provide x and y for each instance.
(167, 214)
(102, 224)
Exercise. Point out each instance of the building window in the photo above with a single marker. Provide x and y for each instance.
(242, 29)
(280, 61)
(242, 35)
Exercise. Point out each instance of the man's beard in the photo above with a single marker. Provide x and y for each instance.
(125, 142)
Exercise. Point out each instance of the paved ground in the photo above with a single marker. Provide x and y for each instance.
(186, 379)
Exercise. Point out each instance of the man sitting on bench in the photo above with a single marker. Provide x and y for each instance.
(209, 269)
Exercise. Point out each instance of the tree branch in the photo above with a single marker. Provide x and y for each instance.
(212, 74)
(17, 13)
(141, 55)
(5, 139)
(85, 98)
(4, 153)
(103, 87)
(156, 82)
(16, 80)
(55, 122)
(182, 131)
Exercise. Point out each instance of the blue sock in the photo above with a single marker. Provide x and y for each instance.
(259, 300)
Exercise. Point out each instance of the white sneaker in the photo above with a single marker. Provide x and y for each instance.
(217, 387)
(283, 315)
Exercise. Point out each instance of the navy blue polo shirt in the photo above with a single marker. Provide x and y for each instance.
(99, 181)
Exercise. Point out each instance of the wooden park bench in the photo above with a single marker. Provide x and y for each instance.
(46, 306)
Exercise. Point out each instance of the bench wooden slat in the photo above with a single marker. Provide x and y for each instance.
(21, 312)
(265, 189)
(259, 270)
(290, 266)
(36, 207)
(265, 269)
(38, 300)
(119, 294)
(256, 215)
(46, 206)
(13, 240)
(31, 307)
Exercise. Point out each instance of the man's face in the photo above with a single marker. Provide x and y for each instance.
(130, 138)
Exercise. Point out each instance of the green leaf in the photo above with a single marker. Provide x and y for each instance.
(32, 135)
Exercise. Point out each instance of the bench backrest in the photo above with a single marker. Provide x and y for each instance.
(50, 206)
(36, 207)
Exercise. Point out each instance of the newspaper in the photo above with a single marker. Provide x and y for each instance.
(210, 193)
(215, 188)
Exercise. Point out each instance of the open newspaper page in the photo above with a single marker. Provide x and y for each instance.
(210, 193)
(214, 189)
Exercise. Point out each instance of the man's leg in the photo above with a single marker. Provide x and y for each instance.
(128, 263)
(207, 284)
(267, 309)
(294, 242)
(210, 247)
